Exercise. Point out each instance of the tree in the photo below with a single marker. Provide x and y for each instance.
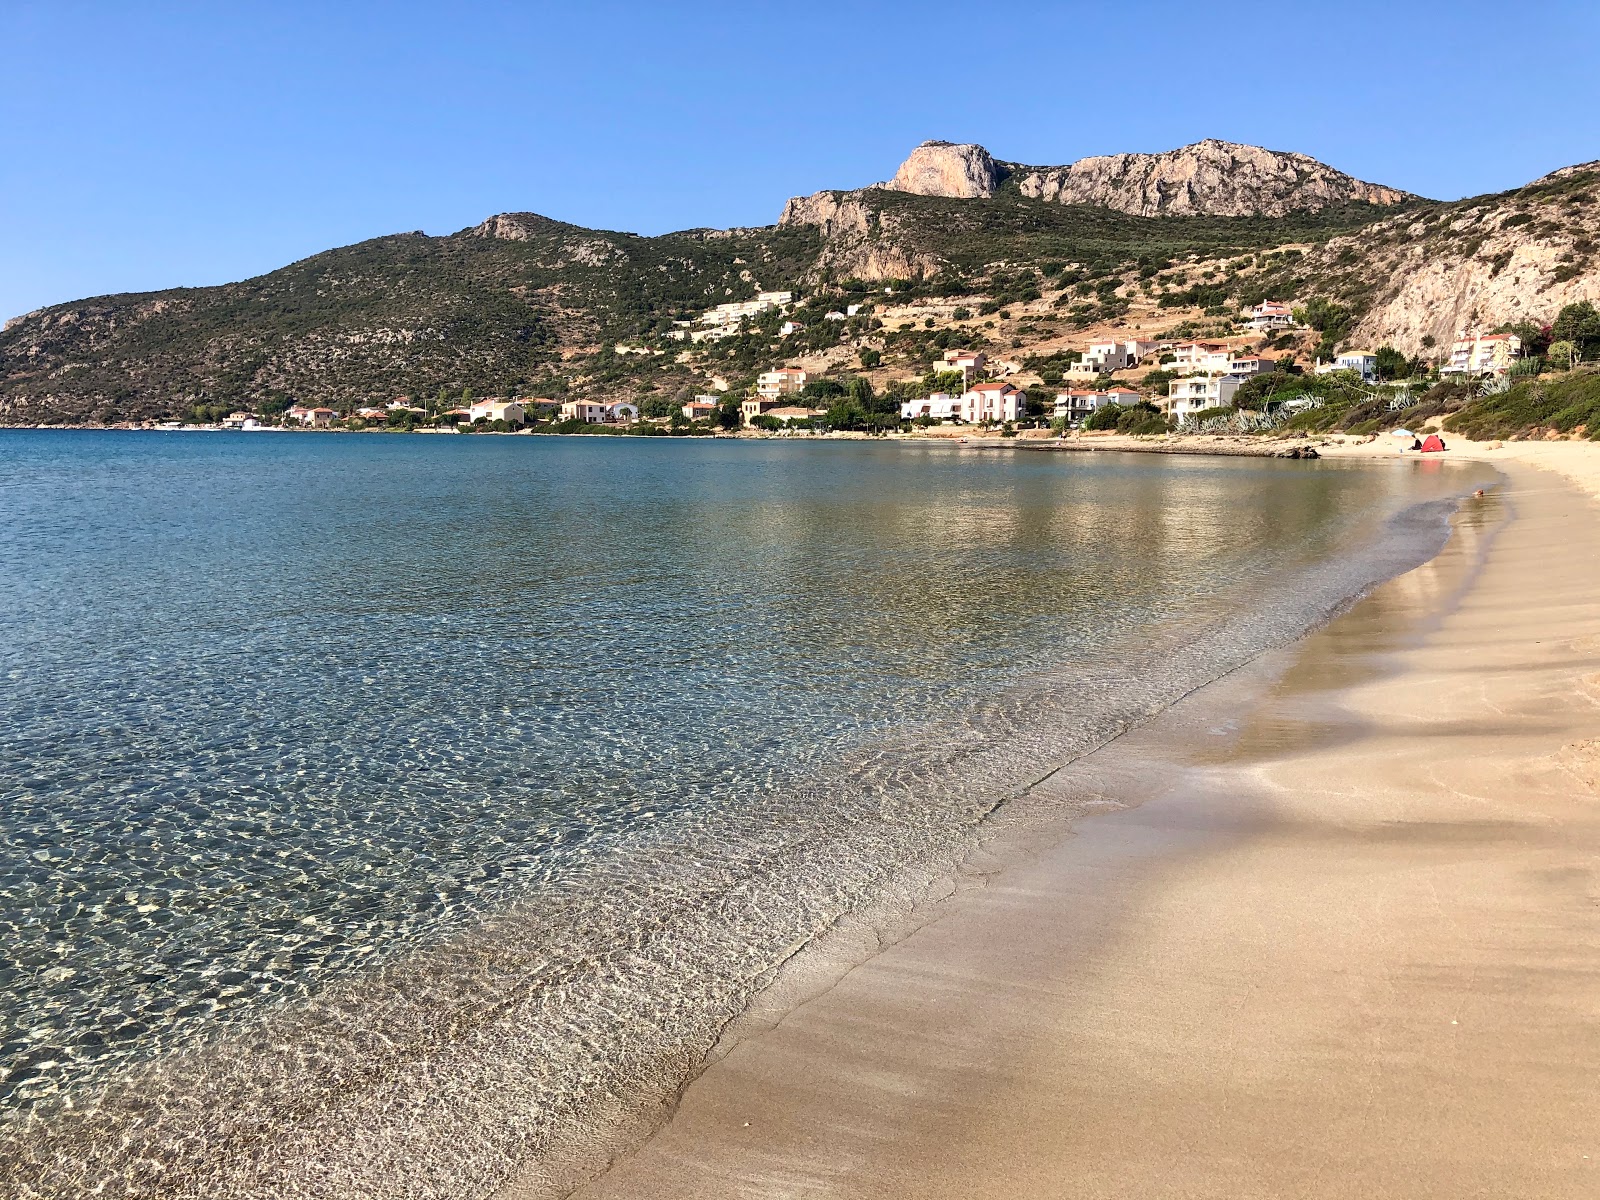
(870, 358)
(1562, 354)
(729, 414)
(1579, 324)
(1392, 364)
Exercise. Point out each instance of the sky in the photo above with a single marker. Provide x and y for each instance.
(151, 145)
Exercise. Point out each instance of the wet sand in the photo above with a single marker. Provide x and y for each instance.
(1347, 944)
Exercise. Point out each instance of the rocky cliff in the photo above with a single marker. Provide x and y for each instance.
(962, 172)
(1484, 262)
(1209, 178)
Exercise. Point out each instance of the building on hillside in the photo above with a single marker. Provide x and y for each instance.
(1076, 404)
(1201, 356)
(494, 409)
(1247, 365)
(789, 327)
(404, 405)
(1363, 362)
(970, 363)
(1193, 393)
(994, 402)
(701, 408)
(240, 420)
(371, 413)
(623, 412)
(1104, 357)
(941, 406)
(1482, 354)
(834, 315)
(783, 382)
(1269, 315)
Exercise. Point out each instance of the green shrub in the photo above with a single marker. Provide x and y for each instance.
(1567, 403)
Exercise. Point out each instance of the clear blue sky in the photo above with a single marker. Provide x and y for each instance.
(154, 144)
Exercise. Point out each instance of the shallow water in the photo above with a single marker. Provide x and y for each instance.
(359, 787)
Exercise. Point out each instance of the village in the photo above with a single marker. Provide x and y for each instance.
(1182, 382)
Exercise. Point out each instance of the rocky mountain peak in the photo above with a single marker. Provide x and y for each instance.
(1208, 178)
(961, 171)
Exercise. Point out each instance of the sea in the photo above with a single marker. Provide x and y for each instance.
(386, 815)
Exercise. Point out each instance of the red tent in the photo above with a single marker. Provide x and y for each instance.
(1432, 444)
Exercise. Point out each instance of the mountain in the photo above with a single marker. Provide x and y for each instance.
(956, 248)
(1210, 178)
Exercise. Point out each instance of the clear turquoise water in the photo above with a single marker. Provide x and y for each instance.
(483, 757)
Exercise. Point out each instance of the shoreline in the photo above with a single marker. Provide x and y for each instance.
(916, 1070)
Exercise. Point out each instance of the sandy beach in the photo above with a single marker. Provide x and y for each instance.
(1335, 935)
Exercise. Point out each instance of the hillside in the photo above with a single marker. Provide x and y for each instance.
(525, 305)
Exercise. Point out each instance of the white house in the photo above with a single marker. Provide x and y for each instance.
(509, 411)
(941, 406)
(1250, 364)
(1195, 392)
(1075, 404)
(701, 408)
(1201, 356)
(1269, 315)
(592, 411)
(786, 381)
(996, 402)
(1362, 362)
(789, 327)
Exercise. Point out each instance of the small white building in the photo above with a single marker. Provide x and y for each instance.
(1269, 315)
(509, 411)
(789, 327)
(592, 411)
(941, 406)
(1363, 362)
(1248, 365)
(1104, 357)
(995, 402)
(1075, 404)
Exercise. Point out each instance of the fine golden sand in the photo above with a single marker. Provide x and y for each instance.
(1343, 940)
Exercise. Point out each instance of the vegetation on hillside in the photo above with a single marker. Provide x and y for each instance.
(1567, 404)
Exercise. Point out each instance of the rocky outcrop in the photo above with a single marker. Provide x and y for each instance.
(859, 240)
(962, 172)
(1494, 265)
(1209, 178)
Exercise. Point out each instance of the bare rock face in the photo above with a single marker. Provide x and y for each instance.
(1210, 178)
(1487, 266)
(962, 172)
